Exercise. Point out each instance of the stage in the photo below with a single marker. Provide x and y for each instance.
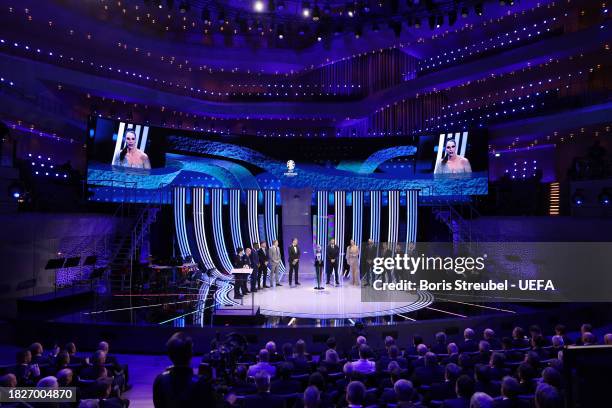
(333, 302)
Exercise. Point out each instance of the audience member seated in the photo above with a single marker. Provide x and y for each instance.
(8, 380)
(361, 340)
(263, 398)
(177, 386)
(466, 364)
(421, 351)
(483, 381)
(387, 395)
(301, 357)
(284, 384)
(464, 390)
(608, 339)
(37, 355)
(547, 396)
(560, 330)
(446, 389)
(519, 341)
(273, 356)
(469, 344)
(47, 382)
(453, 354)
(526, 376)
(404, 393)
(331, 361)
(355, 394)
(71, 349)
(262, 365)
(312, 397)
(412, 350)
(429, 373)
(481, 400)
(103, 387)
(497, 371)
(588, 339)
(584, 328)
(363, 365)
(240, 384)
(97, 368)
(510, 390)
(65, 377)
(439, 346)
(489, 336)
(317, 380)
(342, 383)
(27, 373)
(62, 361)
(484, 353)
(392, 355)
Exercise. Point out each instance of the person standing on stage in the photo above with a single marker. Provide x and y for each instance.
(370, 255)
(253, 263)
(318, 264)
(263, 263)
(294, 261)
(333, 255)
(274, 257)
(240, 287)
(352, 258)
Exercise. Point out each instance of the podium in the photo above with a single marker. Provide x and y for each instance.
(244, 272)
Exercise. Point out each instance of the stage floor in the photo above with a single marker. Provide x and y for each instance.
(342, 302)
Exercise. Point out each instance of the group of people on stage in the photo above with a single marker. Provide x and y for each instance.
(260, 258)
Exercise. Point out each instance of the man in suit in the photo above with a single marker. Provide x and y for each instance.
(254, 258)
(263, 398)
(464, 389)
(370, 254)
(274, 258)
(333, 255)
(263, 264)
(469, 342)
(238, 262)
(510, 390)
(294, 261)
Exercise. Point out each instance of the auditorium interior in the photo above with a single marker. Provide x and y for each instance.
(288, 203)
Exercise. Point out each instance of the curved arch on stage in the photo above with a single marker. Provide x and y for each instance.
(412, 208)
(234, 201)
(198, 195)
(381, 156)
(270, 223)
(217, 221)
(375, 210)
(179, 221)
(394, 206)
(339, 222)
(253, 217)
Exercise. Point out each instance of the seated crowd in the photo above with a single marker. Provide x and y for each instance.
(524, 370)
(99, 379)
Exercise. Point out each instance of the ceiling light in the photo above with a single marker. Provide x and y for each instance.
(258, 6)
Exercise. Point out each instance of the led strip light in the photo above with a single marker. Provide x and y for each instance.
(235, 219)
(375, 208)
(252, 212)
(322, 199)
(340, 217)
(270, 223)
(217, 218)
(199, 226)
(394, 204)
(357, 218)
(412, 201)
(179, 221)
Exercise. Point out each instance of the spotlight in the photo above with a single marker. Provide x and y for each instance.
(358, 31)
(184, 7)
(464, 12)
(350, 10)
(280, 31)
(578, 198)
(258, 6)
(305, 9)
(478, 9)
(16, 190)
(604, 197)
(439, 21)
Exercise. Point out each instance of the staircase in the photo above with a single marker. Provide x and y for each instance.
(460, 229)
(125, 248)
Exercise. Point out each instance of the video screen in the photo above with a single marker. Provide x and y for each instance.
(142, 157)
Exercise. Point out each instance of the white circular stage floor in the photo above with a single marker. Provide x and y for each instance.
(340, 302)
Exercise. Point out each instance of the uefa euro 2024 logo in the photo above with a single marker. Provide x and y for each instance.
(290, 168)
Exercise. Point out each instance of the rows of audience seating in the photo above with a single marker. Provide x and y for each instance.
(99, 379)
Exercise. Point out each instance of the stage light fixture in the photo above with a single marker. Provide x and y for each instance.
(280, 31)
(478, 9)
(16, 190)
(417, 23)
(464, 12)
(605, 197)
(350, 10)
(578, 198)
(306, 9)
(184, 7)
(439, 21)
(358, 31)
(258, 6)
